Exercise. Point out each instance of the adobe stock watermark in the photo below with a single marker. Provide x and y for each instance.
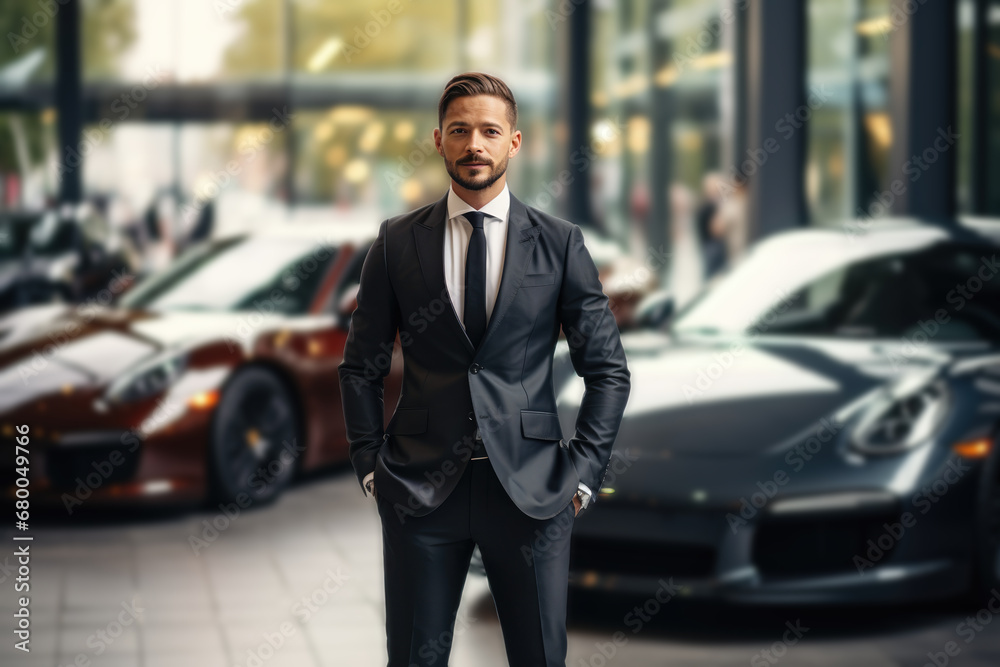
(123, 106)
(621, 461)
(304, 609)
(38, 362)
(248, 149)
(923, 500)
(103, 638)
(462, 449)
(561, 12)
(774, 653)
(30, 25)
(265, 307)
(581, 160)
(708, 36)
(786, 127)
(912, 169)
(360, 38)
(968, 630)
(636, 619)
(912, 343)
(165, 410)
(900, 14)
(708, 375)
(406, 166)
(419, 319)
(796, 458)
(437, 648)
(230, 512)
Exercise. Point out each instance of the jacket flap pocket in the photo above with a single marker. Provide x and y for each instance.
(408, 421)
(538, 279)
(540, 425)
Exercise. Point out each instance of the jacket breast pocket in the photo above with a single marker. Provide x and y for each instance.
(535, 279)
(407, 421)
(540, 425)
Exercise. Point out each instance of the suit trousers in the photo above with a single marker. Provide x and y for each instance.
(427, 559)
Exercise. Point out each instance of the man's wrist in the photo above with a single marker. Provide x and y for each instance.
(585, 495)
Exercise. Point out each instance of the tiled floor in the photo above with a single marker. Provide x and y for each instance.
(299, 584)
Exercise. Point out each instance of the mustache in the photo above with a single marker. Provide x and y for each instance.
(474, 160)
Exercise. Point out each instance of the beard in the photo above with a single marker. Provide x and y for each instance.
(480, 182)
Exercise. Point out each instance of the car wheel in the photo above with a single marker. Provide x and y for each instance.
(255, 431)
(986, 565)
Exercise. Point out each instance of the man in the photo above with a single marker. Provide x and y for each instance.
(477, 286)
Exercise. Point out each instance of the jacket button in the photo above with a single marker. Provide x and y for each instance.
(475, 368)
(470, 416)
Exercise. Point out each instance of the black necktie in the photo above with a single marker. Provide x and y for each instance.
(475, 279)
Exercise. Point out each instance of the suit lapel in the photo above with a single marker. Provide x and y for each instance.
(428, 237)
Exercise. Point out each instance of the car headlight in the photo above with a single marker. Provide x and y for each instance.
(902, 418)
(148, 379)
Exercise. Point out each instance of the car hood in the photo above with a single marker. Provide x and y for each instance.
(92, 346)
(712, 397)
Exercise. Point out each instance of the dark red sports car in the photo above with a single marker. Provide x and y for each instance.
(216, 378)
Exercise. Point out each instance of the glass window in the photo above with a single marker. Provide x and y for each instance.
(978, 152)
(355, 156)
(392, 60)
(27, 141)
(182, 41)
(850, 135)
(662, 101)
(379, 35)
(28, 30)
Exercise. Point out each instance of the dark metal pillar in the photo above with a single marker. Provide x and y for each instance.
(922, 109)
(577, 100)
(69, 101)
(777, 116)
(980, 96)
(662, 113)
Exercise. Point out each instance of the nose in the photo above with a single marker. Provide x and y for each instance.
(475, 142)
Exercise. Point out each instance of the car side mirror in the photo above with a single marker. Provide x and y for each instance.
(654, 311)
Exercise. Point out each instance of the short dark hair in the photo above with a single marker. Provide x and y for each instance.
(477, 83)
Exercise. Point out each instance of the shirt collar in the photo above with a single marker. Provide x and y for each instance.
(497, 207)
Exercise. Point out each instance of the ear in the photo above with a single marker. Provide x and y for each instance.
(437, 141)
(515, 144)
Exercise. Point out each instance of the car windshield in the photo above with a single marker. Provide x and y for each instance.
(865, 288)
(238, 274)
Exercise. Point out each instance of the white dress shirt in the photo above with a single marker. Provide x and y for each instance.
(456, 248)
(457, 233)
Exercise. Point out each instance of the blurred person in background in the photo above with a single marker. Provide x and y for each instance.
(730, 222)
(473, 454)
(713, 245)
(158, 232)
(122, 220)
(686, 261)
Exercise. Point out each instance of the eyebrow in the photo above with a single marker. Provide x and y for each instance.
(462, 123)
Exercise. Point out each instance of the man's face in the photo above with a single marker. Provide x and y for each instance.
(476, 141)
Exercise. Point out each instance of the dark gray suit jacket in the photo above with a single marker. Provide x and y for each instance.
(504, 386)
